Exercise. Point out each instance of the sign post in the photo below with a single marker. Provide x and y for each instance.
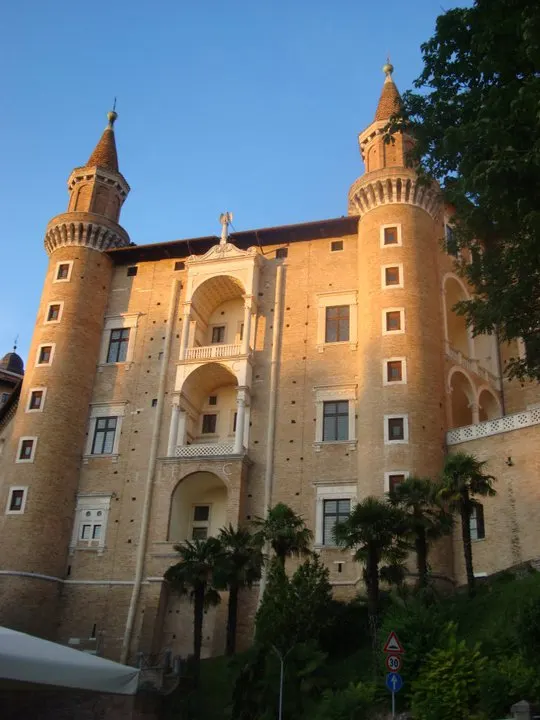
(394, 682)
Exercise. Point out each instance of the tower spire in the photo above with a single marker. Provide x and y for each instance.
(390, 99)
(104, 154)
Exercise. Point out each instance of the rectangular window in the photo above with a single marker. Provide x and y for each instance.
(26, 449)
(450, 241)
(334, 512)
(44, 355)
(53, 314)
(391, 276)
(201, 513)
(241, 333)
(132, 271)
(118, 345)
(201, 522)
(212, 400)
(180, 265)
(104, 435)
(96, 532)
(209, 424)
(62, 271)
(393, 320)
(336, 245)
(337, 324)
(281, 253)
(396, 429)
(390, 235)
(234, 422)
(218, 334)
(335, 421)
(16, 501)
(86, 532)
(394, 371)
(199, 533)
(476, 522)
(395, 479)
(36, 399)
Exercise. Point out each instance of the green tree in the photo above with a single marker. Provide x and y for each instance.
(375, 531)
(286, 532)
(426, 516)
(239, 566)
(463, 479)
(475, 120)
(193, 576)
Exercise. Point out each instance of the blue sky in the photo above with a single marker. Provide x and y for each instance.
(252, 107)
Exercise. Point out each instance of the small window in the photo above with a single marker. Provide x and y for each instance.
(53, 314)
(394, 371)
(36, 400)
(395, 479)
(201, 513)
(337, 324)
(209, 424)
(154, 402)
(180, 265)
(104, 435)
(45, 353)
(393, 320)
(335, 421)
(281, 253)
(396, 429)
(391, 276)
(391, 236)
(334, 512)
(241, 332)
(132, 271)
(450, 241)
(336, 245)
(26, 449)
(86, 532)
(62, 272)
(212, 400)
(199, 533)
(16, 500)
(201, 522)
(3, 398)
(476, 522)
(218, 334)
(96, 532)
(118, 345)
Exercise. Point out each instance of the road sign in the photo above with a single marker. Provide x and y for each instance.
(394, 682)
(392, 644)
(393, 663)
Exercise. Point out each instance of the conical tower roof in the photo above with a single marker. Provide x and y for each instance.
(390, 100)
(104, 154)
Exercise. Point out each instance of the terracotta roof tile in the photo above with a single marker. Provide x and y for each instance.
(389, 102)
(104, 154)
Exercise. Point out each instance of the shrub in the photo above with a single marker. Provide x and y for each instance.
(506, 681)
(352, 703)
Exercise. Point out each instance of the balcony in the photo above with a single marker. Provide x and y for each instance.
(213, 352)
(471, 365)
(205, 450)
(493, 427)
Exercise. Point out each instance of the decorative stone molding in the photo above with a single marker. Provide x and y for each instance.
(393, 186)
(86, 229)
(493, 427)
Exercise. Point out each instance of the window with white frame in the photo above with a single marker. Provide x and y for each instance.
(200, 523)
(54, 312)
(335, 413)
(337, 319)
(394, 478)
(36, 399)
(45, 354)
(26, 450)
(392, 276)
(476, 522)
(118, 342)
(62, 271)
(334, 505)
(90, 526)
(396, 429)
(16, 500)
(394, 371)
(393, 321)
(390, 235)
(104, 429)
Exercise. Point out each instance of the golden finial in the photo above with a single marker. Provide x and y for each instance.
(112, 115)
(388, 68)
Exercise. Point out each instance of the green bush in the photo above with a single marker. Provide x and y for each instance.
(352, 703)
(448, 686)
(506, 681)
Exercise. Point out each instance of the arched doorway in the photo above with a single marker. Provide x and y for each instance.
(198, 507)
(462, 398)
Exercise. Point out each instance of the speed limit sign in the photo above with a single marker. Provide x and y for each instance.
(393, 663)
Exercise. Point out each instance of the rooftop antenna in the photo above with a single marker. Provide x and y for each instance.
(225, 219)
(114, 103)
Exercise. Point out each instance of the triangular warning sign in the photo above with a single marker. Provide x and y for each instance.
(392, 644)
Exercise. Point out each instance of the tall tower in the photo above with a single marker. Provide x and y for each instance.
(401, 420)
(45, 453)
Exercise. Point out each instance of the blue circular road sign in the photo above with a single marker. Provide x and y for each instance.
(394, 682)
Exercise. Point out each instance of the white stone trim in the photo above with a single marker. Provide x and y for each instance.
(101, 410)
(119, 322)
(63, 280)
(12, 489)
(401, 311)
(60, 303)
(331, 492)
(381, 235)
(331, 299)
(34, 439)
(403, 380)
(42, 345)
(387, 440)
(400, 285)
(90, 502)
(334, 393)
(405, 473)
(31, 390)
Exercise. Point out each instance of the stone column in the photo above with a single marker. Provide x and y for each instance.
(181, 432)
(185, 330)
(248, 302)
(173, 429)
(475, 413)
(240, 420)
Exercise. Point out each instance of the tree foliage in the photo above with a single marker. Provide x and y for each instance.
(286, 532)
(476, 119)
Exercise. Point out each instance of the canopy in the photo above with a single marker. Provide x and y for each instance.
(29, 659)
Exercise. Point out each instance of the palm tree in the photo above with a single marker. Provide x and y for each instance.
(239, 566)
(463, 477)
(419, 498)
(194, 576)
(286, 532)
(375, 530)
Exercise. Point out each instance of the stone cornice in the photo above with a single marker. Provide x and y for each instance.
(86, 229)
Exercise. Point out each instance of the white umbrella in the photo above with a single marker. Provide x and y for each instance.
(30, 659)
